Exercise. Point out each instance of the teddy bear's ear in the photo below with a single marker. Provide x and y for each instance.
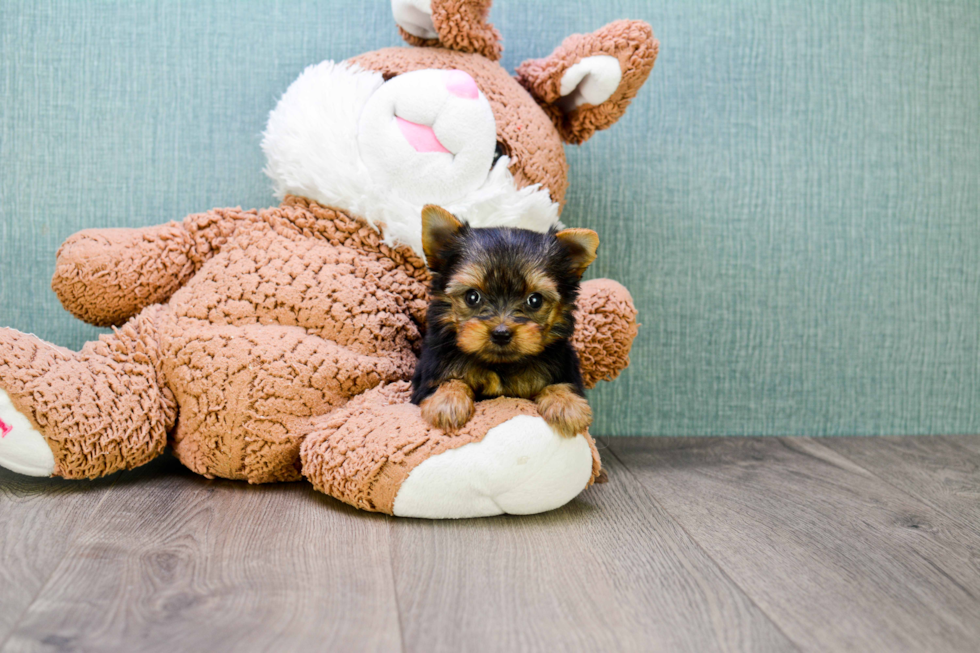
(459, 25)
(588, 81)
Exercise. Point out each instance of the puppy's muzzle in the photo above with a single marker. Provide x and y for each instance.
(501, 335)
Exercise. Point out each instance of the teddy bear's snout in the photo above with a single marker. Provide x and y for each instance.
(429, 135)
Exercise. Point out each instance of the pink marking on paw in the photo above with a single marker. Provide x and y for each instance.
(421, 137)
(5, 429)
(461, 85)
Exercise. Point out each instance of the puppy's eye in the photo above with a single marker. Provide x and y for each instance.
(499, 152)
(535, 301)
(472, 298)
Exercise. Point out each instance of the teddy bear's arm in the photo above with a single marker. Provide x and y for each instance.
(106, 276)
(605, 326)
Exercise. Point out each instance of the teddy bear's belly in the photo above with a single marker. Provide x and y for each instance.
(336, 293)
(272, 333)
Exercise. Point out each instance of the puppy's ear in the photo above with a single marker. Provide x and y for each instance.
(588, 81)
(439, 227)
(581, 245)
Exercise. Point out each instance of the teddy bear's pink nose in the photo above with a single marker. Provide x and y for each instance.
(461, 85)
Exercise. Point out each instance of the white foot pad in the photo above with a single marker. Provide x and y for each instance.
(521, 467)
(22, 448)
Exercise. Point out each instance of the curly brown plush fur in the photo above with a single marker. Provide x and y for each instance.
(275, 344)
(244, 348)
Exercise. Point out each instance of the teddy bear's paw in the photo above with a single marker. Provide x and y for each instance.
(22, 448)
(520, 467)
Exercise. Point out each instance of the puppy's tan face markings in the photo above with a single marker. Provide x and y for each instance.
(538, 281)
(464, 279)
(502, 315)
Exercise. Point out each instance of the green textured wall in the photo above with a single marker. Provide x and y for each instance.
(794, 198)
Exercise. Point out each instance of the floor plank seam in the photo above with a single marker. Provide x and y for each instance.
(54, 568)
(394, 587)
(696, 543)
(914, 497)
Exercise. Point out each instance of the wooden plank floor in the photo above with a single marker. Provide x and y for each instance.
(695, 544)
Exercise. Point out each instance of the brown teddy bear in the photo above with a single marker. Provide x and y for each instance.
(276, 344)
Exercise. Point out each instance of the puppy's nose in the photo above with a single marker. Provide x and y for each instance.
(461, 85)
(501, 335)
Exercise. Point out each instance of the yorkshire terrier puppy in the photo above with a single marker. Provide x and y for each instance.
(500, 321)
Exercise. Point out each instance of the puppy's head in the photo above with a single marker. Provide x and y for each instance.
(505, 293)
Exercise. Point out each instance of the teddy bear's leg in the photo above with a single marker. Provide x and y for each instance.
(378, 454)
(84, 414)
(247, 394)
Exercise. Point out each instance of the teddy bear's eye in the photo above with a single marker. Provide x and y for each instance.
(499, 152)
(535, 301)
(472, 298)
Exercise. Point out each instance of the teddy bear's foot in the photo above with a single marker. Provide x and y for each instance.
(520, 467)
(22, 448)
(85, 414)
(377, 453)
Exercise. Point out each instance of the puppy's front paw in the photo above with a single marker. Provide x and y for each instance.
(564, 410)
(449, 407)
